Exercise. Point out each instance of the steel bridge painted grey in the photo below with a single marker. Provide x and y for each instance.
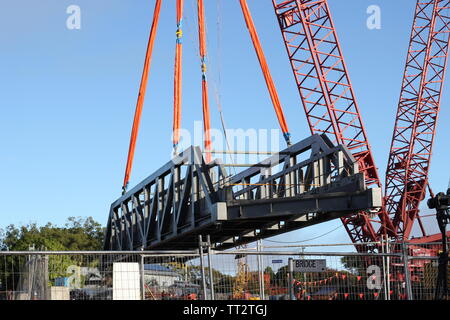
(308, 183)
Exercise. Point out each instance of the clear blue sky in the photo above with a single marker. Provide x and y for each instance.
(68, 96)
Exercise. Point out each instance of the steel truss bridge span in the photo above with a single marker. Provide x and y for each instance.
(310, 182)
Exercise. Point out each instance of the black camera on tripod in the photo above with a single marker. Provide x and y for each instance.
(440, 202)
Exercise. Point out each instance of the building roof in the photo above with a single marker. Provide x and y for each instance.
(159, 269)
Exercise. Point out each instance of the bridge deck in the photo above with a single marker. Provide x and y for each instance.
(305, 184)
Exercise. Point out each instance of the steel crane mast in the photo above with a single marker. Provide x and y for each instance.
(327, 94)
(417, 114)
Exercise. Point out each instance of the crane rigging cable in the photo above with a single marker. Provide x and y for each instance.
(266, 72)
(217, 82)
(141, 96)
(205, 99)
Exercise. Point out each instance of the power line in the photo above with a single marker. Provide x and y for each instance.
(322, 235)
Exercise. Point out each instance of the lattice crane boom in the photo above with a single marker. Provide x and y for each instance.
(329, 102)
(417, 114)
(327, 94)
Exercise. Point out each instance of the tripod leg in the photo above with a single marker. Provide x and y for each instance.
(442, 280)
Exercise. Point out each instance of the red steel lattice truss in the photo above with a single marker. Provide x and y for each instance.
(327, 94)
(329, 102)
(417, 114)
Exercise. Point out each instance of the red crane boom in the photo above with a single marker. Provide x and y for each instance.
(331, 108)
(417, 114)
(327, 94)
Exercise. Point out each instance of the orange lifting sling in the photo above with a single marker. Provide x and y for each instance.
(178, 77)
(141, 96)
(265, 69)
(205, 102)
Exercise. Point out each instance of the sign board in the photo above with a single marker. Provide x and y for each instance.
(277, 261)
(126, 281)
(309, 265)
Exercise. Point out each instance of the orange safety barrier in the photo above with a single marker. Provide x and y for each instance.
(141, 96)
(265, 69)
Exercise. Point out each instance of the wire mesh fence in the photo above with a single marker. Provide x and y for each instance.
(396, 272)
(321, 276)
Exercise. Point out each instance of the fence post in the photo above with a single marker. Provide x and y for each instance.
(46, 280)
(406, 270)
(211, 278)
(142, 278)
(290, 279)
(388, 263)
(260, 270)
(202, 267)
(384, 258)
(303, 258)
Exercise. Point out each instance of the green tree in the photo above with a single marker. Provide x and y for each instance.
(76, 234)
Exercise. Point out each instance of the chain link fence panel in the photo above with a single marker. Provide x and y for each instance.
(317, 272)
